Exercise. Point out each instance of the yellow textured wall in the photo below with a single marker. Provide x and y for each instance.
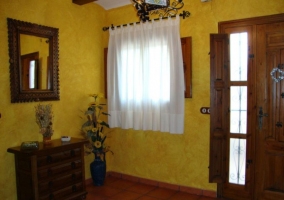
(80, 73)
(182, 159)
(177, 159)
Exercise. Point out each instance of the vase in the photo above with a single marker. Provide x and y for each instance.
(98, 171)
(46, 140)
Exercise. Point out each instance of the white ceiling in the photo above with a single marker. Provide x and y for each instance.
(109, 4)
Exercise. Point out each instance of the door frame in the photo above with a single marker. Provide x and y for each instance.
(218, 157)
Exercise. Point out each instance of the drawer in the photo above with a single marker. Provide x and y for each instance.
(63, 193)
(62, 169)
(60, 182)
(58, 157)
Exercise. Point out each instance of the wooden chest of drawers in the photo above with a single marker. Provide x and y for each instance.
(54, 171)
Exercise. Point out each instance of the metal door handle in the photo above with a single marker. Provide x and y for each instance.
(249, 161)
(260, 116)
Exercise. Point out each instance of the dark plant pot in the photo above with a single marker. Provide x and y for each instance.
(98, 171)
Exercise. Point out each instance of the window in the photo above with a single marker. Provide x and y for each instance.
(145, 77)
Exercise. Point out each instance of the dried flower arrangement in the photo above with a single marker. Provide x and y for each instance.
(44, 119)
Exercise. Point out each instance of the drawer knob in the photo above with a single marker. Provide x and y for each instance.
(72, 153)
(73, 177)
(48, 159)
(74, 188)
(50, 184)
(73, 165)
(49, 172)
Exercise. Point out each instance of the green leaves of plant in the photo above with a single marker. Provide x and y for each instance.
(104, 124)
(104, 113)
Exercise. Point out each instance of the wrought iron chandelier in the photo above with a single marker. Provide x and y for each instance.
(162, 8)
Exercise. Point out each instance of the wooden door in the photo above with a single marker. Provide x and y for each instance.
(269, 171)
(264, 135)
(230, 136)
(26, 71)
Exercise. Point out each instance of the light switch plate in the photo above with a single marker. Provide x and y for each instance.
(205, 110)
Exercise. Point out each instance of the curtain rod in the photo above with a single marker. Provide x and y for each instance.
(184, 14)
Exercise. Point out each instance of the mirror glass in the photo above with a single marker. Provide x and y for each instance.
(33, 52)
(34, 62)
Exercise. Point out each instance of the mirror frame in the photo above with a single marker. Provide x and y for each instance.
(15, 28)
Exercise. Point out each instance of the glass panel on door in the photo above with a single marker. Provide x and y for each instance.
(238, 56)
(238, 110)
(238, 107)
(237, 171)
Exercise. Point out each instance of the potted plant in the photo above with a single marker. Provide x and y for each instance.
(93, 130)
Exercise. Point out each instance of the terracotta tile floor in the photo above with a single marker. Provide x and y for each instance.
(120, 189)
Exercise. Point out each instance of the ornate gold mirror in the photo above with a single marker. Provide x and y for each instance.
(33, 54)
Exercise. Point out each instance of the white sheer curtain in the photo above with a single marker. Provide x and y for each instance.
(145, 77)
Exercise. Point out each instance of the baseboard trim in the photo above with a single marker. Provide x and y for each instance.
(190, 190)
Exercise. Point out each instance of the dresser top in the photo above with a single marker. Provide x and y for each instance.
(55, 145)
